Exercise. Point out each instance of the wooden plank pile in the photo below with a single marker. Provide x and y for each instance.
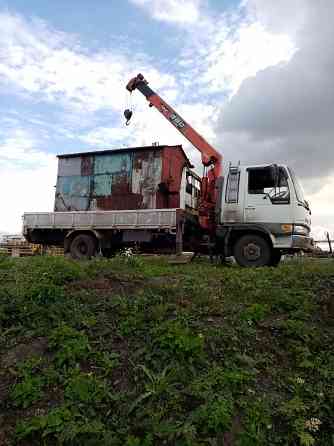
(21, 248)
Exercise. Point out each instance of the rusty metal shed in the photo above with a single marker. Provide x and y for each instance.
(131, 178)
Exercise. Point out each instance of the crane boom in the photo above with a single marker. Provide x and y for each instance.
(210, 156)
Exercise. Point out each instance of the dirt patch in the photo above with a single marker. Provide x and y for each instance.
(164, 281)
(121, 375)
(325, 297)
(273, 322)
(107, 285)
(230, 438)
(22, 352)
(4, 441)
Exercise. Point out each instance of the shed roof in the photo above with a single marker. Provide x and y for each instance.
(125, 149)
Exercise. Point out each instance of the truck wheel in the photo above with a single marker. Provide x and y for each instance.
(252, 250)
(275, 257)
(83, 246)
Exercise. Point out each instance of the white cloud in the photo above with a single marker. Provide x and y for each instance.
(283, 16)
(103, 136)
(18, 148)
(179, 12)
(27, 177)
(26, 190)
(221, 51)
(232, 58)
(51, 65)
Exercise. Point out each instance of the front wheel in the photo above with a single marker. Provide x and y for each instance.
(83, 246)
(252, 250)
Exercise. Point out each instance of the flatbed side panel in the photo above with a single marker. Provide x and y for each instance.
(133, 219)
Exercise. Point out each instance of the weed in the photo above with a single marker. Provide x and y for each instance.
(85, 388)
(62, 423)
(156, 385)
(180, 341)
(215, 416)
(255, 313)
(27, 391)
(30, 386)
(70, 345)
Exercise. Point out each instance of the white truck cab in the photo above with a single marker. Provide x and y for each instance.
(263, 213)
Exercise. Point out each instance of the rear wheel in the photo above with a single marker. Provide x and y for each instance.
(83, 246)
(252, 250)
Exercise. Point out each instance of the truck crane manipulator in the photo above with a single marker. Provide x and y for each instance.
(255, 213)
(148, 196)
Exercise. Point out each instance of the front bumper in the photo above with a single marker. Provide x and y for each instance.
(293, 242)
(302, 242)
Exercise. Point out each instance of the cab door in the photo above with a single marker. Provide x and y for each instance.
(267, 195)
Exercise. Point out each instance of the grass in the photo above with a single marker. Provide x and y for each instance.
(137, 352)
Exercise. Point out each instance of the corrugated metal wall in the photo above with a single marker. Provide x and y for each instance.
(115, 181)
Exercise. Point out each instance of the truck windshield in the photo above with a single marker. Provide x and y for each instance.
(298, 188)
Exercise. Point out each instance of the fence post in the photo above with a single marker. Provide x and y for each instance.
(329, 243)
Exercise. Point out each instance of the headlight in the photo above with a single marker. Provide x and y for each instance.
(300, 229)
(287, 228)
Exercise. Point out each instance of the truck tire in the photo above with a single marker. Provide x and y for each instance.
(83, 246)
(252, 250)
(275, 257)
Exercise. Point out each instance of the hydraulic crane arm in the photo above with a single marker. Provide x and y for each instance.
(210, 156)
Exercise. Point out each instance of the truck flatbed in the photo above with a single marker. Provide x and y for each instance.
(81, 220)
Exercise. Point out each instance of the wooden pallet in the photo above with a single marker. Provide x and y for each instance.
(24, 249)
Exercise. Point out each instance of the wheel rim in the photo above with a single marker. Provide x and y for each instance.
(82, 248)
(252, 251)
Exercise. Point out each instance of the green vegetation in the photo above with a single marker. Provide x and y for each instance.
(136, 352)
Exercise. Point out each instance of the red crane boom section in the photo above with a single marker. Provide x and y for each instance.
(210, 156)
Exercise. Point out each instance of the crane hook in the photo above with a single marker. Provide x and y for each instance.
(127, 115)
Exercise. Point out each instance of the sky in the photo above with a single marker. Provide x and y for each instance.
(253, 76)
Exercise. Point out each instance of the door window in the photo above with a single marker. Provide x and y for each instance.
(270, 182)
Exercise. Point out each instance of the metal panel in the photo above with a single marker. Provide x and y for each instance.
(69, 166)
(87, 165)
(113, 163)
(102, 185)
(146, 177)
(119, 202)
(75, 186)
(70, 203)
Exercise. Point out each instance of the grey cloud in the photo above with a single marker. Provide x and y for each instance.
(279, 16)
(286, 112)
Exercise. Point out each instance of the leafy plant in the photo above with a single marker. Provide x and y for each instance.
(180, 340)
(70, 345)
(255, 312)
(62, 423)
(214, 416)
(30, 387)
(85, 388)
(155, 386)
(257, 422)
(27, 391)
